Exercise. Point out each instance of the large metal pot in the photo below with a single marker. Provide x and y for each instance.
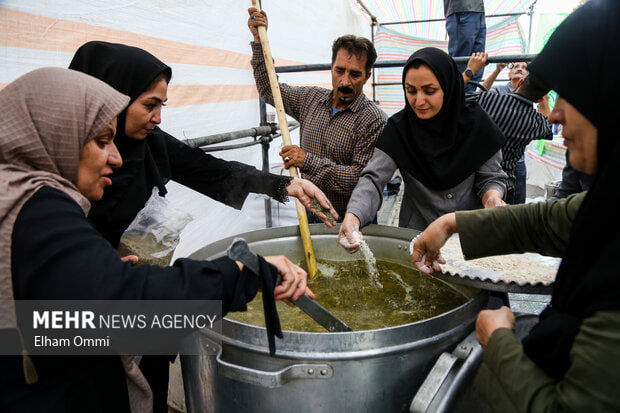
(375, 370)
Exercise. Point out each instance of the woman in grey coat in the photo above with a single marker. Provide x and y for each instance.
(447, 150)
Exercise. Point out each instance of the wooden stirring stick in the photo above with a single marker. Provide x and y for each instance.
(286, 139)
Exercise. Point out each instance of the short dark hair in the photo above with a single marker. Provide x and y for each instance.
(358, 46)
(532, 88)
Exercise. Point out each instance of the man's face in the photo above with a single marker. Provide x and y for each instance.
(518, 72)
(348, 78)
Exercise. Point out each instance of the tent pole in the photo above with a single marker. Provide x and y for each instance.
(372, 39)
(529, 32)
(363, 6)
(265, 145)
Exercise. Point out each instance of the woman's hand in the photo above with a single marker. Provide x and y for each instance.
(426, 254)
(306, 191)
(350, 237)
(490, 320)
(294, 279)
(492, 198)
(130, 258)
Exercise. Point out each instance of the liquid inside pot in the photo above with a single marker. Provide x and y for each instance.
(345, 289)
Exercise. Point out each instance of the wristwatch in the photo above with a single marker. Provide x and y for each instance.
(469, 73)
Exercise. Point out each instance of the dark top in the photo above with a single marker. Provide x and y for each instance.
(224, 181)
(573, 181)
(457, 6)
(516, 117)
(57, 254)
(588, 280)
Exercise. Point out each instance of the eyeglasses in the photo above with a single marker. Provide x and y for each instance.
(512, 64)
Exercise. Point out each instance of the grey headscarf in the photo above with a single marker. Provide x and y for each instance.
(48, 116)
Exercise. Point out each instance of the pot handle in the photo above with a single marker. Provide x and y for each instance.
(450, 374)
(272, 379)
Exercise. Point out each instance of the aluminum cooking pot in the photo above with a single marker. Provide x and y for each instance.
(373, 370)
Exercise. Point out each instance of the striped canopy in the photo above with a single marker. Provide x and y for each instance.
(387, 11)
(398, 42)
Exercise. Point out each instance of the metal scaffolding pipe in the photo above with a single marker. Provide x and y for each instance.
(440, 20)
(229, 147)
(263, 139)
(363, 6)
(240, 134)
(529, 32)
(400, 63)
(229, 136)
(400, 83)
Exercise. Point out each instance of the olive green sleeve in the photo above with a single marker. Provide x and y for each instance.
(511, 382)
(542, 227)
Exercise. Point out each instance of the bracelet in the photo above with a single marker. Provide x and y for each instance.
(413, 243)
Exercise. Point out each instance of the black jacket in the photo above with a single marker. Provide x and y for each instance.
(58, 255)
(226, 181)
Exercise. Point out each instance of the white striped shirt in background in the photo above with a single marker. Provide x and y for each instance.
(516, 117)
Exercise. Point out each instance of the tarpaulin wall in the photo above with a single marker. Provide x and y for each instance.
(504, 37)
(206, 42)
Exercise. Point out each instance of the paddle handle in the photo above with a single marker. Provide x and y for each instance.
(304, 229)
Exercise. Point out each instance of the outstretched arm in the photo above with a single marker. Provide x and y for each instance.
(488, 82)
(477, 62)
(542, 227)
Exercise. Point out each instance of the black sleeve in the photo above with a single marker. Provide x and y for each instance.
(225, 181)
(57, 254)
(573, 181)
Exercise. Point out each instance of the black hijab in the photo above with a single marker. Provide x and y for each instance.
(580, 62)
(443, 151)
(131, 71)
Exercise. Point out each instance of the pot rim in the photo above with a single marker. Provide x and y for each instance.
(394, 338)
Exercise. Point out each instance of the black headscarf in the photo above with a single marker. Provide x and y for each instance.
(443, 151)
(580, 62)
(129, 70)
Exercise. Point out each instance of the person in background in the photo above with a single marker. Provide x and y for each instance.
(339, 127)
(447, 150)
(516, 117)
(518, 71)
(573, 181)
(570, 360)
(467, 31)
(57, 154)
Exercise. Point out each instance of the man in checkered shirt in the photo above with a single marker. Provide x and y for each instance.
(339, 127)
